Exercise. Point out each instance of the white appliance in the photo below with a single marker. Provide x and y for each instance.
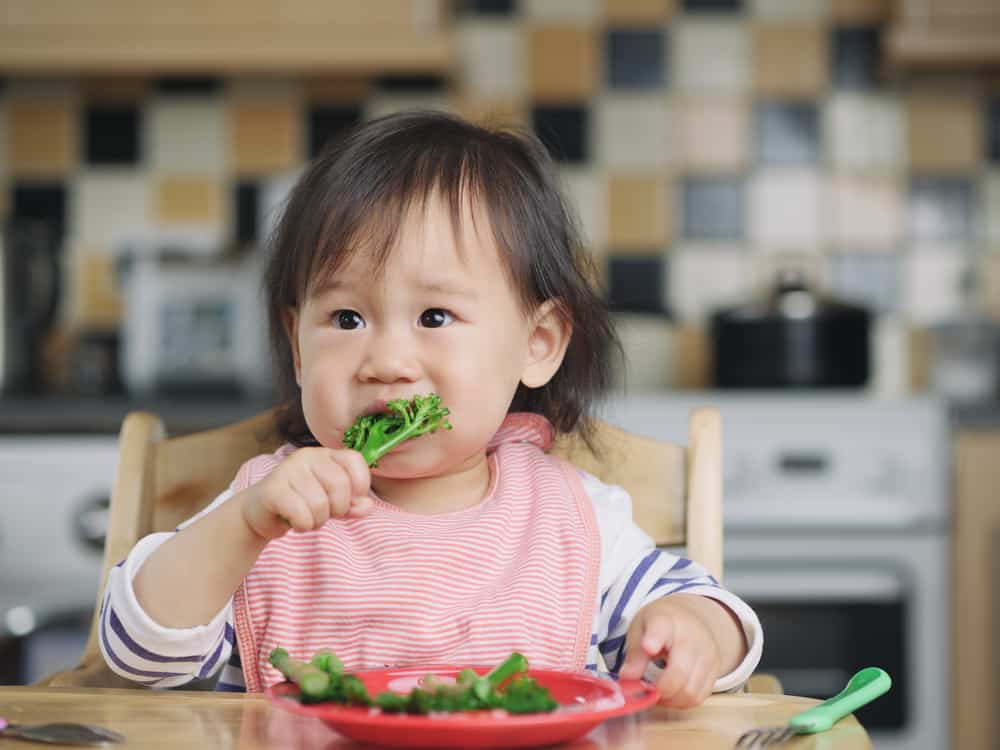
(836, 511)
(53, 517)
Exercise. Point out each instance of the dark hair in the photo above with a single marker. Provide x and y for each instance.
(362, 185)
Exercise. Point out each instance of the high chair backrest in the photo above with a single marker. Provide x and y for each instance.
(676, 492)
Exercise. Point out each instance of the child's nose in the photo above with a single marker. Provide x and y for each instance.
(389, 358)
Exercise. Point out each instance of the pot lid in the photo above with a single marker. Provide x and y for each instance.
(792, 297)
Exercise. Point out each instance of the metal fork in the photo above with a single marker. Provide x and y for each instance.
(864, 687)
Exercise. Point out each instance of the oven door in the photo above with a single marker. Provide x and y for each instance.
(833, 604)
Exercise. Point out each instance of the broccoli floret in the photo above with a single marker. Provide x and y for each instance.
(374, 435)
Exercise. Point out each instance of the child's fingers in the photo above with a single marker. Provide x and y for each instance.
(357, 470)
(360, 507)
(646, 639)
(674, 680)
(336, 487)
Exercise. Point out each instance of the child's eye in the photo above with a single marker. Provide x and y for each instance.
(347, 320)
(435, 317)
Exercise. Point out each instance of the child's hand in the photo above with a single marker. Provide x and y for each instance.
(308, 488)
(671, 629)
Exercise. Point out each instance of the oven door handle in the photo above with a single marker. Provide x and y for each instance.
(784, 584)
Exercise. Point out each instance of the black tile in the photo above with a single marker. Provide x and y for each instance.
(488, 7)
(246, 206)
(328, 121)
(636, 284)
(713, 208)
(787, 132)
(185, 85)
(563, 130)
(940, 209)
(993, 130)
(856, 55)
(635, 58)
(412, 83)
(714, 5)
(111, 134)
(44, 201)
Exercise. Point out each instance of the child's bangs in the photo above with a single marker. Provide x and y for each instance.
(370, 222)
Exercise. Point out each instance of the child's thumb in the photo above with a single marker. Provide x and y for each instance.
(360, 506)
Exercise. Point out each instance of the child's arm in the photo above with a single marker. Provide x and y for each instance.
(187, 580)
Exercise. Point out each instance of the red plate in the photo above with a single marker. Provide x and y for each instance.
(585, 700)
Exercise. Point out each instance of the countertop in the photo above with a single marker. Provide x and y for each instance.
(92, 415)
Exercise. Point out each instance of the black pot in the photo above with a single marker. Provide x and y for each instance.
(794, 338)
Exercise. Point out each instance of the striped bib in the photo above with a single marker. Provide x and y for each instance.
(517, 572)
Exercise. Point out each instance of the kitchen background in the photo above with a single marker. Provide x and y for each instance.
(710, 148)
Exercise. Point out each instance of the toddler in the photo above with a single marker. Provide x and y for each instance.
(422, 254)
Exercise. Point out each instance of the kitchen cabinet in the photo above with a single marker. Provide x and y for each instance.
(941, 34)
(975, 604)
(223, 36)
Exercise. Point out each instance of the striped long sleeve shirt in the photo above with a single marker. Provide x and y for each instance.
(633, 572)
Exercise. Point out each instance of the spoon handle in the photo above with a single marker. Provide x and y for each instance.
(864, 687)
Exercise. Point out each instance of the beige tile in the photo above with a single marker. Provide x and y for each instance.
(789, 59)
(710, 56)
(944, 132)
(859, 10)
(491, 59)
(639, 11)
(562, 10)
(564, 63)
(42, 137)
(4, 156)
(494, 112)
(867, 211)
(265, 135)
(187, 135)
(693, 349)
(640, 214)
(95, 301)
(714, 133)
(189, 200)
(634, 132)
(865, 132)
(108, 205)
(387, 103)
(787, 210)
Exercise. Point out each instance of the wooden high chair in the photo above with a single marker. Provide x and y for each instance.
(676, 492)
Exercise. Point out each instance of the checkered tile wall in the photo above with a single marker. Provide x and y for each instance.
(697, 139)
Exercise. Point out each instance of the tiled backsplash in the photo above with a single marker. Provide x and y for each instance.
(698, 139)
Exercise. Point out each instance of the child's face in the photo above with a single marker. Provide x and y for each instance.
(435, 321)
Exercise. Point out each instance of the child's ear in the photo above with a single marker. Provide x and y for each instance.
(290, 318)
(547, 344)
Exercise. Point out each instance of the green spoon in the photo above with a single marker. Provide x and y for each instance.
(864, 687)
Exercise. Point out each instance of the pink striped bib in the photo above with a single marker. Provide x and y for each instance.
(517, 572)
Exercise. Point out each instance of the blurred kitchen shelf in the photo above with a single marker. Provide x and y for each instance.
(224, 36)
(75, 416)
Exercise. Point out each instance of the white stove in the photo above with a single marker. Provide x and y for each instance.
(836, 511)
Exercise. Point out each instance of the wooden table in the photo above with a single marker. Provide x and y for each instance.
(200, 720)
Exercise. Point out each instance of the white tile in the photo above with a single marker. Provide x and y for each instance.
(864, 131)
(867, 211)
(562, 10)
(107, 206)
(991, 207)
(932, 284)
(710, 56)
(704, 277)
(634, 131)
(648, 347)
(491, 59)
(187, 135)
(274, 193)
(587, 193)
(804, 9)
(788, 210)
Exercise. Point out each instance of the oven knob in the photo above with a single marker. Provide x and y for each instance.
(90, 522)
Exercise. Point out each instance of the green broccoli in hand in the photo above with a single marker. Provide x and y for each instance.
(374, 435)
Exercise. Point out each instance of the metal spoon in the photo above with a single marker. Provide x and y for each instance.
(61, 733)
